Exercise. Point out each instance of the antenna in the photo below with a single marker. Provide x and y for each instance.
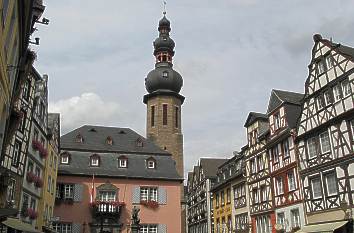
(164, 7)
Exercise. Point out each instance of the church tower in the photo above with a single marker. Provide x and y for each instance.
(163, 101)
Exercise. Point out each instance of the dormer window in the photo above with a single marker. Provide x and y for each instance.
(276, 121)
(64, 158)
(79, 138)
(139, 142)
(109, 140)
(95, 160)
(151, 163)
(122, 162)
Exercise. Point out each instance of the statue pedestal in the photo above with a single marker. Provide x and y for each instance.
(135, 228)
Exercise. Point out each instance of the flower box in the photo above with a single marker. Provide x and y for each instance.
(113, 203)
(150, 204)
(37, 146)
(38, 182)
(32, 214)
(30, 177)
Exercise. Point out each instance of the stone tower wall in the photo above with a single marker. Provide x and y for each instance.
(168, 137)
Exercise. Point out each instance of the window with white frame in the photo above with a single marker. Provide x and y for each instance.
(95, 161)
(331, 184)
(321, 102)
(325, 143)
(151, 164)
(107, 196)
(328, 97)
(276, 121)
(16, 154)
(295, 218)
(291, 181)
(337, 92)
(68, 191)
(347, 90)
(11, 188)
(66, 228)
(252, 166)
(255, 196)
(281, 219)
(311, 147)
(280, 186)
(260, 162)
(329, 61)
(64, 159)
(275, 154)
(148, 194)
(148, 229)
(286, 148)
(264, 196)
(321, 68)
(123, 162)
(316, 187)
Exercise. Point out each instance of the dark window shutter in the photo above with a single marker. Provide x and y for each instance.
(78, 189)
(76, 228)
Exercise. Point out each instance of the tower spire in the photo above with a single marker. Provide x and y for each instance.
(164, 8)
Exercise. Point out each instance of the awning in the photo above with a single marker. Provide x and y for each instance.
(19, 225)
(323, 227)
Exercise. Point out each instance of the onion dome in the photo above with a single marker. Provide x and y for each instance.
(164, 43)
(164, 23)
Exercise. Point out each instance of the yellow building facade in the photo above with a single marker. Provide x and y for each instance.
(222, 208)
(46, 204)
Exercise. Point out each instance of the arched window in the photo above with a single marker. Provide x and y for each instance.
(109, 140)
(95, 160)
(79, 138)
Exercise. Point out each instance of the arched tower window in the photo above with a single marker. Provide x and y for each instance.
(164, 114)
(152, 117)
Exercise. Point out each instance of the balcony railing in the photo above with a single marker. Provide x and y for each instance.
(112, 208)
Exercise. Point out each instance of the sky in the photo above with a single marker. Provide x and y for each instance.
(230, 53)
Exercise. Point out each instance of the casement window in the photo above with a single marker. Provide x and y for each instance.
(23, 120)
(228, 195)
(286, 148)
(222, 194)
(295, 218)
(11, 188)
(164, 114)
(35, 134)
(347, 90)
(325, 142)
(321, 101)
(123, 162)
(66, 228)
(260, 162)
(291, 181)
(252, 137)
(176, 116)
(252, 166)
(329, 61)
(276, 121)
(328, 97)
(52, 187)
(94, 161)
(316, 187)
(281, 219)
(264, 196)
(107, 195)
(151, 164)
(321, 68)
(280, 185)
(263, 224)
(337, 92)
(312, 147)
(331, 184)
(30, 166)
(152, 120)
(68, 191)
(255, 196)
(275, 154)
(148, 229)
(64, 159)
(16, 154)
(26, 89)
(148, 194)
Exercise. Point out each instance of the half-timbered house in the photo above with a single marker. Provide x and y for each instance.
(284, 109)
(258, 174)
(199, 199)
(325, 137)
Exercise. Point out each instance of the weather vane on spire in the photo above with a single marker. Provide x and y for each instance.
(164, 7)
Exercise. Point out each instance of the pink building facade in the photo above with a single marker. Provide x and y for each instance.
(104, 172)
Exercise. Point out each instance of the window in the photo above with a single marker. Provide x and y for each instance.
(275, 153)
(30, 166)
(26, 89)
(152, 116)
(151, 164)
(176, 116)
(321, 67)
(253, 166)
(255, 196)
(264, 193)
(164, 114)
(95, 161)
(331, 184)
(25, 200)
(222, 194)
(123, 162)
(51, 159)
(347, 90)
(65, 228)
(33, 203)
(328, 97)
(337, 92)
(286, 148)
(316, 187)
(311, 147)
(52, 187)
(16, 154)
(109, 140)
(325, 143)
(260, 162)
(291, 181)
(64, 159)
(280, 186)
(263, 224)
(23, 121)
(49, 183)
(10, 195)
(276, 121)
(107, 196)
(165, 74)
(148, 194)
(228, 195)
(148, 229)
(68, 191)
(281, 219)
(329, 61)
(79, 138)
(321, 102)
(295, 218)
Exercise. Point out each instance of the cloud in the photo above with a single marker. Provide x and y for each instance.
(88, 108)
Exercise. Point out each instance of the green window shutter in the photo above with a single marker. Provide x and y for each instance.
(162, 228)
(136, 195)
(78, 189)
(162, 196)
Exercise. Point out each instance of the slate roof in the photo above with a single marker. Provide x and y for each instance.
(279, 97)
(342, 48)
(94, 139)
(210, 166)
(253, 116)
(80, 165)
